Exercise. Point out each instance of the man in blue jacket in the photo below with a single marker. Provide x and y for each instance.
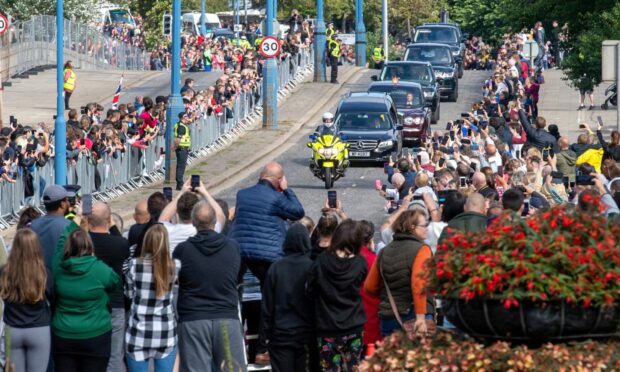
(261, 220)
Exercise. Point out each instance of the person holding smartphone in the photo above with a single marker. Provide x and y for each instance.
(612, 147)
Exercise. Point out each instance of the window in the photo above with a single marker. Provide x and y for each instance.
(414, 73)
(400, 95)
(436, 35)
(367, 121)
(434, 55)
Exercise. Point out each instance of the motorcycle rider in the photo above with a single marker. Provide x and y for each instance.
(327, 126)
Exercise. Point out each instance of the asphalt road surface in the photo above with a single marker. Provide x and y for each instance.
(356, 190)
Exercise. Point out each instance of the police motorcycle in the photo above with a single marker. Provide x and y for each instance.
(330, 155)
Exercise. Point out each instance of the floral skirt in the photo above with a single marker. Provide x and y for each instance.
(339, 354)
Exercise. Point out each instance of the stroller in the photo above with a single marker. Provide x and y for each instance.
(612, 96)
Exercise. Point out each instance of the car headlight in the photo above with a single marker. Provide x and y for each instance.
(456, 52)
(418, 120)
(445, 75)
(409, 120)
(385, 144)
(428, 94)
(321, 151)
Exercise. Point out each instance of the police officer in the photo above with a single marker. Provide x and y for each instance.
(327, 126)
(334, 53)
(378, 57)
(69, 82)
(71, 213)
(182, 142)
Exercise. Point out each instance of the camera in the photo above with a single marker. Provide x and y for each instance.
(13, 121)
(584, 180)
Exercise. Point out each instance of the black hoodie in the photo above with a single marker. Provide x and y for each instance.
(208, 278)
(287, 313)
(335, 284)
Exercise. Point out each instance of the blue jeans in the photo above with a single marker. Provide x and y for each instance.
(165, 364)
(389, 325)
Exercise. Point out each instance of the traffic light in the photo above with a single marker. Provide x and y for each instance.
(167, 24)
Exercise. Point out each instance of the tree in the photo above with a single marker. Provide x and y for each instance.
(84, 11)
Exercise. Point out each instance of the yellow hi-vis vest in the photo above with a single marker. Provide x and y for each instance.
(70, 83)
(377, 54)
(334, 48)
(186, 140)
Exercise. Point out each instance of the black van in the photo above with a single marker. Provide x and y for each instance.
(371, 125)
(444, 66)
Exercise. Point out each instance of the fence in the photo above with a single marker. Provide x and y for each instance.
(121, 172)
(32, 43)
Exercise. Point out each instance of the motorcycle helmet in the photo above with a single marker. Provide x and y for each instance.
(328, 119)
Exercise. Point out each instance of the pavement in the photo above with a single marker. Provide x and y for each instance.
(33, 100)
(559, 102)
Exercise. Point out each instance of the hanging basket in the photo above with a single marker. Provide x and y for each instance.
(531, 322)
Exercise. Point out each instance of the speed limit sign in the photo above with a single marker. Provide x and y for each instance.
(269, 47)
(4, 24)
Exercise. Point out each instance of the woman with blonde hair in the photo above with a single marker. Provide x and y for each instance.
(152, 328)
(26, 289)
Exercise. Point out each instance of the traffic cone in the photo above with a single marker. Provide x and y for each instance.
(370, 350)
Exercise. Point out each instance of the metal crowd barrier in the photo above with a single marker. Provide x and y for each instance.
(121, 172)
(30, 44)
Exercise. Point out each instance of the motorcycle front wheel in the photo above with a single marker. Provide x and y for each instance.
(329, 181)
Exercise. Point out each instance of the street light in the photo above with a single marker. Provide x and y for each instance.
(320, 73)
(270, 76)
(203, 27)
(360, 34)
(60, 125)
(175, 103)
(384, 21)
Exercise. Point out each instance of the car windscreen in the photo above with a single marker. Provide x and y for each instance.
(414, 73)
(432, 54)
(436, 35)
(120, 16)
(402, 96)
(363, 121)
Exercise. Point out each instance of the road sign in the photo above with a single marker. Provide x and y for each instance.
(4, 24)
(269, 47)
(238, 27)
(530, 49)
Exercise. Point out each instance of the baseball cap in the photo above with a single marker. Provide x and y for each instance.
(54, 193)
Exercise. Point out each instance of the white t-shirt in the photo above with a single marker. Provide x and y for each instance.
(180, 232)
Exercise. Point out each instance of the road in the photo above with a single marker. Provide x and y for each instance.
(356, 191)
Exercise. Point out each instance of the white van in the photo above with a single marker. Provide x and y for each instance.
(111, 13)
(190, 23)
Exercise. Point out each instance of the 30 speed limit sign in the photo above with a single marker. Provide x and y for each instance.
(269, 47)
(4, 24)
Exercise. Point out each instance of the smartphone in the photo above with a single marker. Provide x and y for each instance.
(466, 141)
(87, 204)
(582, 126)
(405, 152)
(417, 197)
(452, 135)
(378, 185)
(463, 181)
(565, 181)
(442, 161)
(600, 120)
(545, 154)
(168, 193)
(465, 115)
(500, 170)
(572, 184)
(195, 181)
(518, 154)
(332, 199)
(468, 132)
(449, 125)
(383, 188)
(444, 140)
(435, 145)
(464, 131)
(385, 168)
(584, 180)
(526, 208)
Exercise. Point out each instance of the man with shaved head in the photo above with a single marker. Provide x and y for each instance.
(113, 250)
(261, 220)
(473, 218)
(566, 159)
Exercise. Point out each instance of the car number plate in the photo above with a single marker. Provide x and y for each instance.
(360, 154)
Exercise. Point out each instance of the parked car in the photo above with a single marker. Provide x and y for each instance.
(409, 101)
(415, 72)
(371, 125)
(443, 33)
(444, 66)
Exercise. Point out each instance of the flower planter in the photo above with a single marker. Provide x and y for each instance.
(531, 322)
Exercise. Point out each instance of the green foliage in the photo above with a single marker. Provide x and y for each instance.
(585, 55)
(83, 11)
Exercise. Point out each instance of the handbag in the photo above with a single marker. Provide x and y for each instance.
(408, 325)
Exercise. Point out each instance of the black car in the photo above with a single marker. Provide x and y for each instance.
(409, 101)
(443, 33)
(371, 125)
(444, 66)
(415, 72)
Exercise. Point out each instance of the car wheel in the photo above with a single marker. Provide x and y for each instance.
(460, 70)
(435, 115)
(454, 96)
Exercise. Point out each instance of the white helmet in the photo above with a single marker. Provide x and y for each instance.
(328, 119)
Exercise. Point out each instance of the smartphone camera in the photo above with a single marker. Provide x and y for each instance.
(168, 193)
(195, 182)
(87, 204)
(332, 199)
(462, 182)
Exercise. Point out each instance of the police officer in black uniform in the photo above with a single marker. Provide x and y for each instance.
(182, 142)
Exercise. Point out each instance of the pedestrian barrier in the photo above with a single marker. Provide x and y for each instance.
(122, 171)
(30, 44)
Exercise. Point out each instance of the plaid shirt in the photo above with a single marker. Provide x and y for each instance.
(152, 326)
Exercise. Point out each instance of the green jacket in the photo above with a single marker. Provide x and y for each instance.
(465, 222)
(566, 163)
(82, 285)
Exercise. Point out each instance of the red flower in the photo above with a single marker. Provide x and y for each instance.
(530, 285)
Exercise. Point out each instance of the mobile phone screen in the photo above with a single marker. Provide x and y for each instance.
(452, 135)
(500, 170)
(332, 199)
(195, 181)
(449, 125)
(385, 167)
(526, 208)
(168, 193)
(444, 140)
(435, 146)
(87, 204)
(405, 151)
(463, 181)
(581, 126)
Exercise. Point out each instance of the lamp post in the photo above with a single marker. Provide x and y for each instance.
(203, 27)
(237, 18)
(320, 73)
(175, 103)
(60, 125)
(384, 21)
(360, 34)
(270, 77)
